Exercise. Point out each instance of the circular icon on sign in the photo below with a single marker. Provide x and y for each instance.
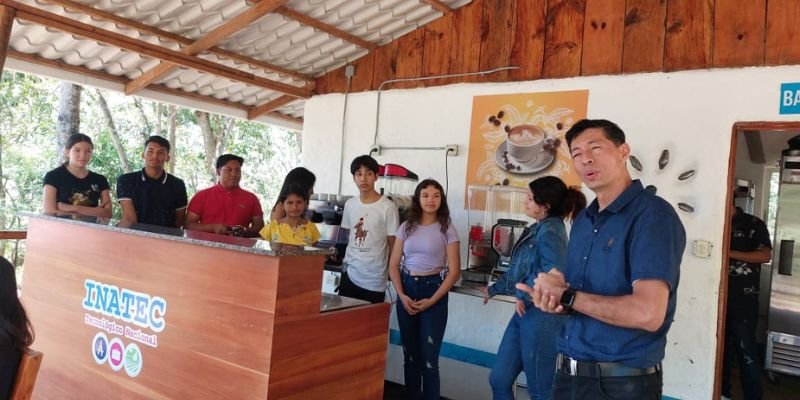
(116, 354)
(100, 348)
(133, 360)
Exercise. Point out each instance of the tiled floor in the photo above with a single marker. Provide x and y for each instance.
(786, 387)
(395, 391)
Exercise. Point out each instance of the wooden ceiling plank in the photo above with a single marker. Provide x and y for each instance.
(6, 23)
(563, 38)
(216, 35)
(465, 50)
(257, 111)
(690, 27)
(39, 60)
(643, 38)
(782, 17)
(739, 30)
(499, 22)
(602, 37)
(438, 5)
(100, 14)
(319, 25)
(527, 52)
(114, 39)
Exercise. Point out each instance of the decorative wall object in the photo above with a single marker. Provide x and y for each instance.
(516, 138)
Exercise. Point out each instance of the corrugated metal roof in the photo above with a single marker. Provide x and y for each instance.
(274, 39)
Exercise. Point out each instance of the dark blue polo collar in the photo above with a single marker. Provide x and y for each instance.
(163, 177)
(630, 193)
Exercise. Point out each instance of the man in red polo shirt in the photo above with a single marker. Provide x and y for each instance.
(225, 208)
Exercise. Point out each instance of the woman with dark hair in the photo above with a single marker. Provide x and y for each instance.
(529, 342)
(16, 333)
(423, 267)
(72, 188)
(299, 176)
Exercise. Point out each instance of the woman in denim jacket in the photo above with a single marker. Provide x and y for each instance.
(529, 342)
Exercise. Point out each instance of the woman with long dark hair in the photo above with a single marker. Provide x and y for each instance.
(16, 333)
(299, 176)
(72, 187)
(529, 342)
(423, 267)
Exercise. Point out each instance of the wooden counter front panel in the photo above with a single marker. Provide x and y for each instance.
(336, 355)
(216, 342)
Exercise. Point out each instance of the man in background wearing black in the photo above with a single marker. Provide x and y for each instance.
(750, 247)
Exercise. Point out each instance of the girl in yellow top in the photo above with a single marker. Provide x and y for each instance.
(293, 228)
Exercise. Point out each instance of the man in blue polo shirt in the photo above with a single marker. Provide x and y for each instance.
(619, 287)
(152, 196)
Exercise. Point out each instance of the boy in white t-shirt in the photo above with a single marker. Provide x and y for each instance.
(372, 220)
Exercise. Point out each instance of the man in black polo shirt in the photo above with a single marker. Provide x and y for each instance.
(750, 247)
(152, 196)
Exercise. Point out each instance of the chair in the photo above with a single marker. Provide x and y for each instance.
(26, 375)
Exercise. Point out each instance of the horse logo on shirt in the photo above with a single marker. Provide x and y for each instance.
(361, 233)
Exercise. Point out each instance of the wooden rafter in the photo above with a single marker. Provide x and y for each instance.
(255, 112)
(35, 59)
(114, 39)
(6, 23)
(439, 6)
(104, 15)
(335, 32)
(217, 35)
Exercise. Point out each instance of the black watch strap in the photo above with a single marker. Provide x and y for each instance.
(568, 299)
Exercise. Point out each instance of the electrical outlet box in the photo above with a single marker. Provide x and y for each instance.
(451, 150)
(349, 70)
(702, 248)
(375, 150)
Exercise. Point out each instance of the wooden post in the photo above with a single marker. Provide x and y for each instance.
(6, 23)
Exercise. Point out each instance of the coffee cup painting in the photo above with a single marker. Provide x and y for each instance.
(515, 138)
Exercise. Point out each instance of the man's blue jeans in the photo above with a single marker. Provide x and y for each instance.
(422, 336)
(528, 344)
(740, 344)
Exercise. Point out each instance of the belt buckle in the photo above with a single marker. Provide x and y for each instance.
(573, 367)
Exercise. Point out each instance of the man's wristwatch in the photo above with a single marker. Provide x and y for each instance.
(567, 299)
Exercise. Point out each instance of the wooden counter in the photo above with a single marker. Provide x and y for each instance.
(156, 314)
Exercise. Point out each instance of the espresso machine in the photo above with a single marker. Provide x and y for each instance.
(325, 210)
(496, 218)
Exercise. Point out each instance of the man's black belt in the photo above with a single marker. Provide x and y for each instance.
(591, 369)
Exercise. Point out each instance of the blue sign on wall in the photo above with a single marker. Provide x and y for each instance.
(790, 98)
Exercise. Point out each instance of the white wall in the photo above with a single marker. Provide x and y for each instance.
(690, 113)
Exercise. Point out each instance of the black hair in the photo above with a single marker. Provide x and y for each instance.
(296, 190)
(612, 130)
(15, 327)
(363, 161)
(159, 140)
(563, 201)
(74, 139)
(223, 159)
(299, 176)
(414, 213)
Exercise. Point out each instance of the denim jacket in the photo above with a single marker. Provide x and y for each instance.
(541, 247)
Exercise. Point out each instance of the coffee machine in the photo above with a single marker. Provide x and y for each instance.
(496, 218)
(325, 210)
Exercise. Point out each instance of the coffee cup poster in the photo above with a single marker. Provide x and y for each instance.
(516, 138)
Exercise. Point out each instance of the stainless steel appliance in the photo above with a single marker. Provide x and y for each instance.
(783, 325)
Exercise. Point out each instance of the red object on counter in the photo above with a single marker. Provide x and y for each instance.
(396, 170)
